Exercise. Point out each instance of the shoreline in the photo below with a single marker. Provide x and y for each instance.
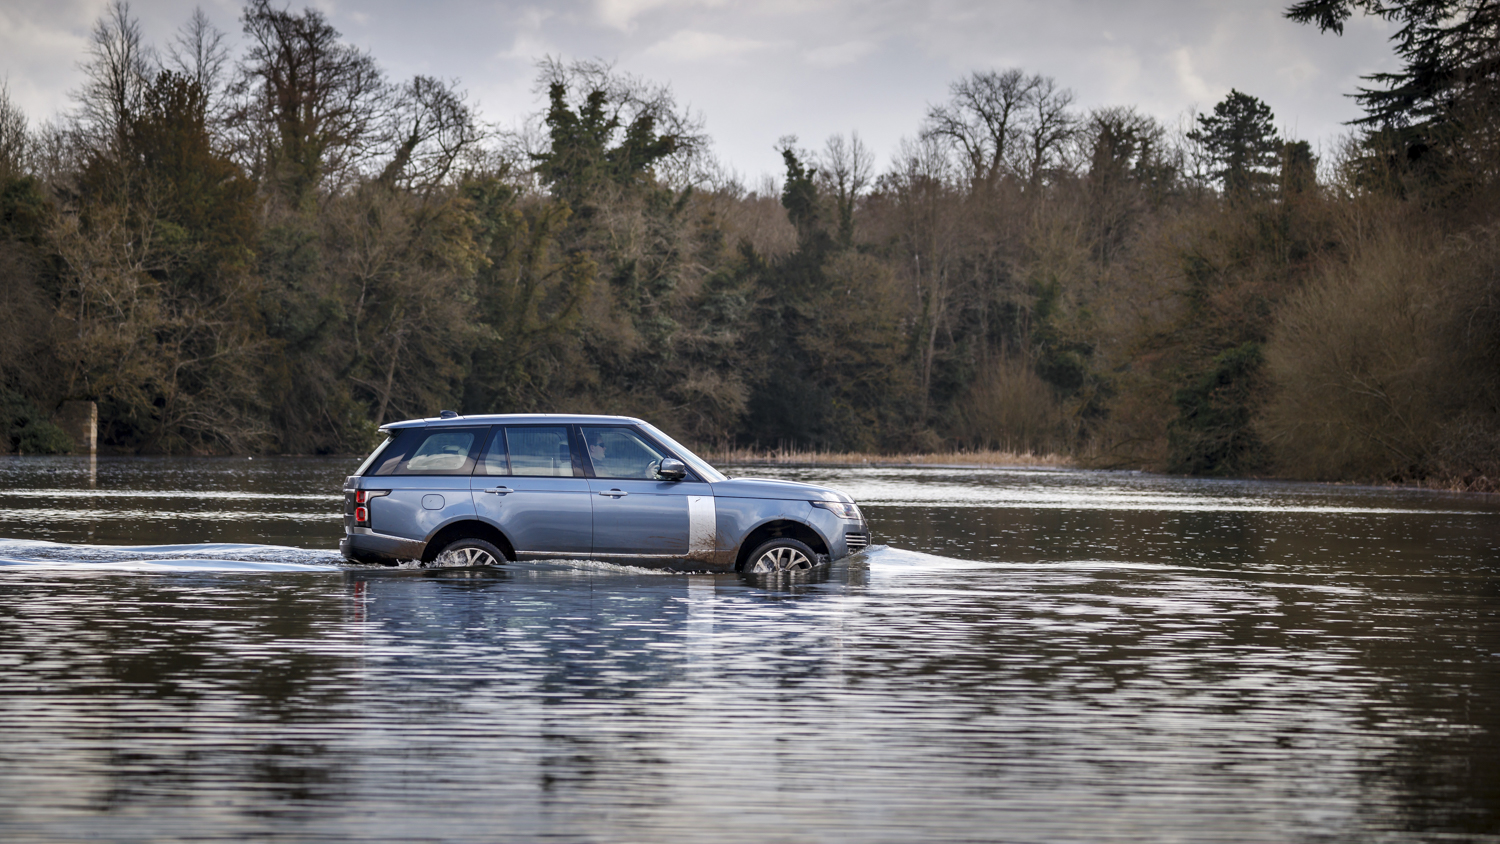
(1481, 485)
(1027, 460)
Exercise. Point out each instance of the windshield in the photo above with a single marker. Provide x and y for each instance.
(705, 471)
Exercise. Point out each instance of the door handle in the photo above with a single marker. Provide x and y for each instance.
(614, 493)
(500, 490)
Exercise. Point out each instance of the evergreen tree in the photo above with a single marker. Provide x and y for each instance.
(1450, 48)
(587, 149)
(1448, 88)
(804, 206)
(1243, 143)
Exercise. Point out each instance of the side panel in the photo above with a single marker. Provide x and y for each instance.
(738, 517)
(403, 512)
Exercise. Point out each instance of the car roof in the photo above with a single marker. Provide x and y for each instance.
(513, 418)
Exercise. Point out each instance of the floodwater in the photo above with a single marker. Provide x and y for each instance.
(1024, 656)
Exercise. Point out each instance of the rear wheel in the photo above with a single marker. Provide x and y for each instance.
(469, 552)
(781, 554)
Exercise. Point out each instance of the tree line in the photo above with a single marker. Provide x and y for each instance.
(280, 251)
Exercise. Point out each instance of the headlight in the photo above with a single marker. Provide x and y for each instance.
(843, 510)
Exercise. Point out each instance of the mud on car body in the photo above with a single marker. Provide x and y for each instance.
(484, 489)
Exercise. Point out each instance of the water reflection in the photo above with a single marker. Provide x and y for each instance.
(1317, 664)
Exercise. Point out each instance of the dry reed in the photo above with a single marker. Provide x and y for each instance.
(790, 457)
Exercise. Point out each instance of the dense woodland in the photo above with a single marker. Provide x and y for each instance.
(278, 251)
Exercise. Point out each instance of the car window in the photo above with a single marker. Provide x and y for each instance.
(494, 461)
(441, 452)
(621, 453)
(374, 455)
(539, 451)
(698, 465)
(395, 451)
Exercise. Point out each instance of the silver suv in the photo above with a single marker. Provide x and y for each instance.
(479, 490)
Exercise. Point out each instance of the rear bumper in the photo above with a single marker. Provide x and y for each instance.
(365, 546)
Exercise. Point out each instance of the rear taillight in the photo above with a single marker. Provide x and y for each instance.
(362, 499)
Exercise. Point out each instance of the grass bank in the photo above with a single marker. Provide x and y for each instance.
(792, 457)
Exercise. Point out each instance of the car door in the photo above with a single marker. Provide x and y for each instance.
(530, 484)
(637, 514)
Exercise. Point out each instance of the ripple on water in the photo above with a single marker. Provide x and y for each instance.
(205, 556)
(995, 673)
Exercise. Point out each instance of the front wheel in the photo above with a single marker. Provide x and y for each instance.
(469, 552)
(783, 554)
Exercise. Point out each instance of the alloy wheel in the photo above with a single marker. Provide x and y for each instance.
(782, 559)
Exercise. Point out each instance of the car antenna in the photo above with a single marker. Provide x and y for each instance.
(447, 414)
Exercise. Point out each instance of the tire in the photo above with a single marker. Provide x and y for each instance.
(469, 552)
(781, 555)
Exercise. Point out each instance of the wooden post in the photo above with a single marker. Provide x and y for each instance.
(81, 420)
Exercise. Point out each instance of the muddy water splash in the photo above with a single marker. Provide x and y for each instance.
(1027, 656)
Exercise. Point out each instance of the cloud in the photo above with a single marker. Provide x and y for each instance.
(621, 14)
(839, 55)
(42, 45)
(688, 45)
(1119, 69)
(761, 69)
(624, 14)
(1188, 81)
(528, 43)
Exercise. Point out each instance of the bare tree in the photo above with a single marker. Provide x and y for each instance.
(1047, 125)
(846, 168)
(54, 154)
(433, 128)
(312, 107)
(198, 54)
(929, 227)
(979, 121)
(1197, 163)
(116, 75)
(15, 141)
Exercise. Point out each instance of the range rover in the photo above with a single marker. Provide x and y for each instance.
(483, 490)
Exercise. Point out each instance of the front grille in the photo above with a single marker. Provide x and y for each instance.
(857, 541)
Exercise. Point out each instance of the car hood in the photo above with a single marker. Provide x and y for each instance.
(781, 490)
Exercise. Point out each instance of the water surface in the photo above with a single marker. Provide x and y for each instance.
(1025, 656)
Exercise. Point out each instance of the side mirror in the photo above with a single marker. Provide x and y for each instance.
(671, 469)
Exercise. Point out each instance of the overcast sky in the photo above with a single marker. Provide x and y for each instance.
(760, 70)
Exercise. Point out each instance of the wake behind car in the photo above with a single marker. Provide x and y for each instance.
(480, 490)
